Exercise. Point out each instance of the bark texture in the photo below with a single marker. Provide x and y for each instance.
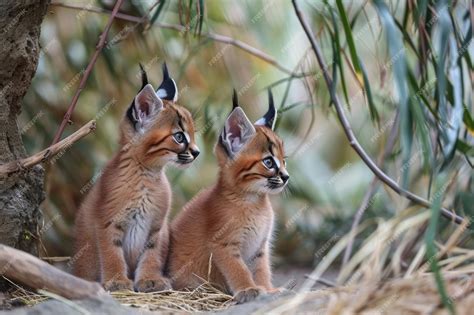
(20, 192)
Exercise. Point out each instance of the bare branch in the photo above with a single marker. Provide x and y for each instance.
(366, 201)
(182, 29)
(350, 134)
(119, 16)
(47, 153)
(87, 72)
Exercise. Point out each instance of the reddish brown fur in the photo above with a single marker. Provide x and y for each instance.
(229, 225)
(122, 233)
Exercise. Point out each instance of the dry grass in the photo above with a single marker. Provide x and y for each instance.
(415, 295)
(22, 296)
(389, 274)
(204, 298)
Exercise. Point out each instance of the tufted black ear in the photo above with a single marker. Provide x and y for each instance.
(236, 133)
(144, 76)
(235, 100)
(269, 119)
(144, 106)
(168, 89)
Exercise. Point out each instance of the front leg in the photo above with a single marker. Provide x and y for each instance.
(228, 260)
(113, 266)
(149, 275)
(263, 274)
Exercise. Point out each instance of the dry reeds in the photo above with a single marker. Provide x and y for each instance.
(389, 274)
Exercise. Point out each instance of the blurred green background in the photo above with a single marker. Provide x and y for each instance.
(328, 180)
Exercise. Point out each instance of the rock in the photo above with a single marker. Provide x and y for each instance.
(257, 304)
(92, 306)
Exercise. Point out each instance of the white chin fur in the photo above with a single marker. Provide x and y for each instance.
(179, 165)
(276, 190)
(261, 187)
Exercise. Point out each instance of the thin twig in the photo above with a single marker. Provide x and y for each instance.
(47, 153)
(322, 281)
(350, 134)
(371, 191)
(246, 47)
(56, 258)
(182, 29)
(87, 72)
(119, 16)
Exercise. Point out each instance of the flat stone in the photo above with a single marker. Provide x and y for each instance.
(104, 306)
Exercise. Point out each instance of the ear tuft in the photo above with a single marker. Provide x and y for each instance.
(144, 76)
(144, 106)
(269, 119)
(235, 100)
(168, 90)
(237, 131)
(166, 74)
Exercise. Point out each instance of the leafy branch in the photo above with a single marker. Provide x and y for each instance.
(387, 180)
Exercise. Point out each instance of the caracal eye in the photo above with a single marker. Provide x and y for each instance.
(269, 162)
(179, 137)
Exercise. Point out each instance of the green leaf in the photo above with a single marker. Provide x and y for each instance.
(421, 91)
(467, 200)
(408, 39)
(455, 118)
(291, 106)
(421, 7)
(399, 65)
(464, 43)
(356, 15)
(338, 61)
(430, 235)
(406, 15)
(373, 111)
(349, 37)
(468, 121)
(157, 12)
(422, 132)
(464, 147)
(358, 66)
(444, 27)
(201, 17)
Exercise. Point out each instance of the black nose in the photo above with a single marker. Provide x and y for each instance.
(285, 177)
(194, 153)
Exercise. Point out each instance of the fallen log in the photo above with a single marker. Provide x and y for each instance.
(28, 270)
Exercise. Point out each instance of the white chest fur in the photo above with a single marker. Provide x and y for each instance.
(144, 211)
(136, 236)
(257, 230)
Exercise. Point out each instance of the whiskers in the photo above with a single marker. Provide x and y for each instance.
(287, 191)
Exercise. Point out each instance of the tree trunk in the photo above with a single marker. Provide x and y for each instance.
(22, 192)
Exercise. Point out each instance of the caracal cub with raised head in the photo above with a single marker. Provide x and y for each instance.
(122, 232)
(224, 234)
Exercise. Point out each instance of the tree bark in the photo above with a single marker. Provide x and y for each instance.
(21, 192)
